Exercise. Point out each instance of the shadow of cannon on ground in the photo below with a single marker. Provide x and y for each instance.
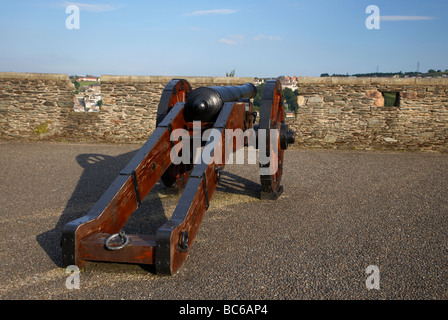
(101, 170)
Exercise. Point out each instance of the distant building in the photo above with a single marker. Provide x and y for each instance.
(289, 114)
(78, 105)
(89, 78)
(289, 82)
(91, 105)
(83, 103)
(257, 82)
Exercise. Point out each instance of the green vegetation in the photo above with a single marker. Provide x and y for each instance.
(390, 99)
(81, 85)
(434, 73)
(430, 73)
(77, 86)
(42, 128)
(230, 74)
(289, 98)
(257, 99)
(87, 83)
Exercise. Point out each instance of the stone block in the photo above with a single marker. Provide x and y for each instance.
(426, 134)
(390, 140)
(315, 100)
(330, 139)
(409, 94)
(339, 103)
(334, 110)
(379, 102)
(431, 82)
(374, 94)
(376, 123)
(301, 101)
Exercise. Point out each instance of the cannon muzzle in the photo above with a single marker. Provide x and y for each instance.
(204, 103)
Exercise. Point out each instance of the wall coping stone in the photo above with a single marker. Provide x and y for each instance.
(237, 80)
(373, 81)
(166, 79)
(34, 76)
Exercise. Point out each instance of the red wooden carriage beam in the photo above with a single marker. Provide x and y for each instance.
(122, 198)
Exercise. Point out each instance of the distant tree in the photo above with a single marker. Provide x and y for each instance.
(290, 98)
(230, 74)
(257, 99)
(99, 103)
(431, 71)
(324, 75)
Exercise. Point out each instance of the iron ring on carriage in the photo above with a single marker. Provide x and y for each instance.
(124, 241)
(218, 171)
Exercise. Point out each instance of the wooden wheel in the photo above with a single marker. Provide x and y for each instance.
(175, 91)
(271, 117)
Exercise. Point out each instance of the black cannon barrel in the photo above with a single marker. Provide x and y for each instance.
(204, 103)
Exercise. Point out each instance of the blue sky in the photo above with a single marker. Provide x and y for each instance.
(260, 38)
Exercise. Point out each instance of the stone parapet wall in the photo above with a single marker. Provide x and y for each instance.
(40, 107)
(351, 113)
(34, 104)
(130, 102)
(333, 112)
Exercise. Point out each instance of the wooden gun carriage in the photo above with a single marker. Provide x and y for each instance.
(91, 237)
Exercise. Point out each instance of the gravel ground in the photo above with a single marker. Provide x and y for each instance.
(341, 212)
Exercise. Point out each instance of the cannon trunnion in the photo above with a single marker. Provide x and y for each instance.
(92, 237)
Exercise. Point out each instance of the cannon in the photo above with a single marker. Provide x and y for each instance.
(204, 103)
(98, 235)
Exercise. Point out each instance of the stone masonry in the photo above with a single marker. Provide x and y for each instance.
(130, 102)
(345, 113)
(33, 105)
(40, 107)
(351, 113)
